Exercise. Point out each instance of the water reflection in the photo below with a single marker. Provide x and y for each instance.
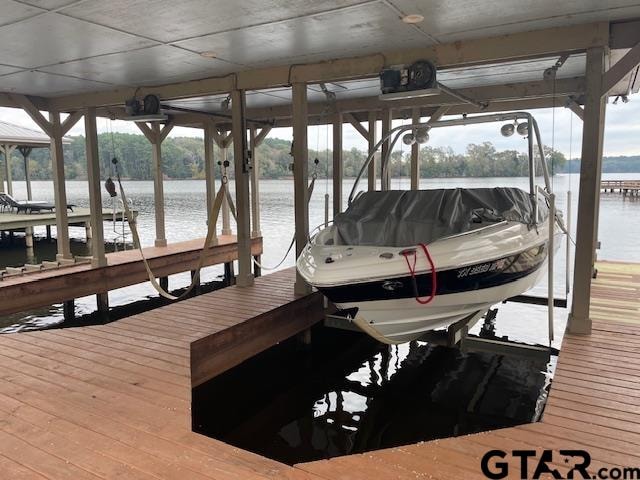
(349, 394)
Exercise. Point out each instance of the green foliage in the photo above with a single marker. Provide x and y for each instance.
(183, 158)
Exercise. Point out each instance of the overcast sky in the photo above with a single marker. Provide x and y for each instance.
(622, 132)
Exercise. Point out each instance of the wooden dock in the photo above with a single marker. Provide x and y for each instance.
(594, 404)
(34, 289)
(10, 221)
(625, 187)
(113, 401)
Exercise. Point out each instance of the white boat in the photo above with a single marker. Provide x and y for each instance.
(408, 262)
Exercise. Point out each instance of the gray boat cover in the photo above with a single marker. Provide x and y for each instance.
(399, 218)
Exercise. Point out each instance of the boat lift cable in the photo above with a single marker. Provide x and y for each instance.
(293, 238)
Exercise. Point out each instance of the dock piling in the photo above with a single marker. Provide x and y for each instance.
(69, 310)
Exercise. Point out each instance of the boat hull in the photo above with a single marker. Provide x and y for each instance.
(402, 320)
(387, 308)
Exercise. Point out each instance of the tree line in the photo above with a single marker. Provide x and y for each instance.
(183, 158)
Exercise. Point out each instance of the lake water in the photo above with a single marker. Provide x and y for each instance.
(185, 215)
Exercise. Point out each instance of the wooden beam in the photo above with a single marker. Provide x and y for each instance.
(70, 121)
(357, 125)
(621, 69)
(300, 176)
(147, 132)
(59, 188)
(209, 169)
(158, 186)
(242, 178)
(415, 154)
(99, 258)
(262, 135)
(27, 105)
(438, 114)
(589, 197)
(495, 49)
(55, 286)
(221, 351)
(371, 137)
(167, 127)
(337, 164)
(255, 183)
(575, 108)
(490, 94)
(8, 150)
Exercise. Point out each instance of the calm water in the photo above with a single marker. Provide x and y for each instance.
(185, 219)
(347, 393)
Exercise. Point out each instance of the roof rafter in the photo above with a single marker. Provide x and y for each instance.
(472, 52)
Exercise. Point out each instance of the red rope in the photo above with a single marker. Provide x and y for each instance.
(412, 270)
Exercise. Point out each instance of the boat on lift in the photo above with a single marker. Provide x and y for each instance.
(403, 263)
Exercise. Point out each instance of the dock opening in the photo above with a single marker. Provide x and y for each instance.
(345, 393)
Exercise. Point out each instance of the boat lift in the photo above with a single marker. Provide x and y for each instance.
(457, 334)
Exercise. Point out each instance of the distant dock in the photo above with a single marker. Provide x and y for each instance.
(10, 221)
(625, 187)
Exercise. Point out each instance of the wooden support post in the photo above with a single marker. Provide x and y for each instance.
(209, 172)
(386, 127)
(26, 151)
(415, 154)
(588, 204)
(48, 229)
(229, 275)
(300, 176)
(371, 173)
(255, 184)
(242, 170)
(254, 140)
(198, 287)
(69, 310)
(95, 229)
(8, 150)
(337, 164)
(102, 304)
(59, 188)
(156, 136)
(158, 187)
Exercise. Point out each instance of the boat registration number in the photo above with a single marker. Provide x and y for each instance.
(481, 268)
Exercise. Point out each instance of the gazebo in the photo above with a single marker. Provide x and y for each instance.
(16, 137)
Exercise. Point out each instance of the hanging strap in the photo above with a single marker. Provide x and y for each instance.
(412, 271)
(213, 218)
(293, 238)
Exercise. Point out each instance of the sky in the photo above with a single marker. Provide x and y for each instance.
(558, 127)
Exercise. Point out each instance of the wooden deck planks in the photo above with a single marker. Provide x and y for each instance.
(594, 403)
(113, 401)
(23, 292)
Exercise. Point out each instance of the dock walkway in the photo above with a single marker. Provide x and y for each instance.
(113, 401)
(35, 289)
(78, 217)
(594, 404)
(625, 187)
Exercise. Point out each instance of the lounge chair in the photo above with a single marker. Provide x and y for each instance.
(30, 206)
